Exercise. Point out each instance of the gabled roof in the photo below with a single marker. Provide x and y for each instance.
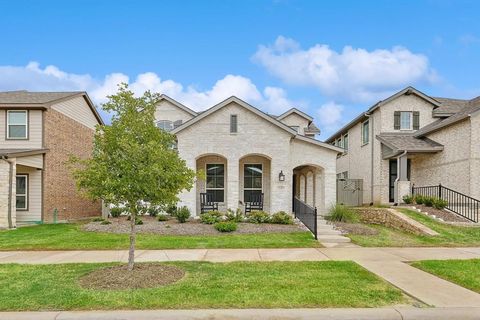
(364, 115)
(258, 112)
(178, 104)
(295, 110)
(401, 142)
(42, 100)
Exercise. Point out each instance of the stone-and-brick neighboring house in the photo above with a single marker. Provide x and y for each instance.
(245, 152)
(38, 133)
(412, 138)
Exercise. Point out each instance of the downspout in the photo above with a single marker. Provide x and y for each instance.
(10, 191)
(370, 119)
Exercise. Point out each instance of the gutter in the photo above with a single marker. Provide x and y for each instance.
(10, 191)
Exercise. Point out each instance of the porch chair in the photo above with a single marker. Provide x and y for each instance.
(255, 203)
(207, 203)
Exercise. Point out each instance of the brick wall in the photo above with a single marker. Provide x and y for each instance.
(64, 137)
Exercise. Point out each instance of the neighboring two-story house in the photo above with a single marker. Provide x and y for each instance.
(38, 133)
(245, 153)
(412, 138)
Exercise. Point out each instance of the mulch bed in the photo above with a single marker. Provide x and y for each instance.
(144, 275)
(442, 214)
(192, 227)
(355, 228)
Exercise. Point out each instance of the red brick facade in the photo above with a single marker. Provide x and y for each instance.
(64, 137)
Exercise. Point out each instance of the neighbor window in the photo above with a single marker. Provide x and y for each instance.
(17, 124)
(165, 125)
(365, 132)
(252, 181)
(233, 123)
(345, 142)
(405, 120)
(22, 191)
(216, 182)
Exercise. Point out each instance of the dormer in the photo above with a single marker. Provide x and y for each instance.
(299, 121)
(171, 114)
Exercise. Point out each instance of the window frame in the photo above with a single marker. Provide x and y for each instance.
(252, 189)
(365, 138)
(8, 124)
(234, 116)
(165, 121)
(410, 113)
(206, 180)
(27, 185)
(345, 148)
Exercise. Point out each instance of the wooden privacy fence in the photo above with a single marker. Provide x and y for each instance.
(350, 192)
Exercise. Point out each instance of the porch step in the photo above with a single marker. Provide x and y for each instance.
(332, 238)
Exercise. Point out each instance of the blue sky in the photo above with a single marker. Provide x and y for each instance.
(330, 59)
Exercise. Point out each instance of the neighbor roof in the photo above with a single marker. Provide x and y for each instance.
(21, 152)
(407, 142)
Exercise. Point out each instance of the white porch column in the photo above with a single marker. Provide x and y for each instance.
(233, 183)
(402, 185)
(309, 189)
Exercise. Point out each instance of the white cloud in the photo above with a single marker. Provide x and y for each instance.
(51, 78)
(329, 116)
(354, 74)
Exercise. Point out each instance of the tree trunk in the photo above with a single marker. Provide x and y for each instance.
(131, 251)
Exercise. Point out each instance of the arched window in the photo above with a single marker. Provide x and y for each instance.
(166, 125)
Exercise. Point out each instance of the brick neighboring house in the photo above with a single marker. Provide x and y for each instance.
(412, 138)
(38, 133)
(247, 153)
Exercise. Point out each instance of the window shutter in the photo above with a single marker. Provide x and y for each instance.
(177, 124)
(233, 123)
(416, 120)
(396, 120)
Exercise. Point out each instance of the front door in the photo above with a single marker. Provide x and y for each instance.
(392, 176)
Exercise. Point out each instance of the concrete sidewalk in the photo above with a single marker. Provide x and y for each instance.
(251, 314)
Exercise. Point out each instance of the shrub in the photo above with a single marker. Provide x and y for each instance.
(171, 210)
(258, 217)
(341, 213)
(211, 217)
(182, 214)
(105, 222)
(115, 212)
(138, 221)
(440, 204)
(408, 199)
(236, 216)
(428, 201)
(162, 217)
(98, 219)
(419, 199)
(281, 217)
(226, 226)
(153, 211)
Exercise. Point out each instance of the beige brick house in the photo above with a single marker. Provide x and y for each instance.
(38, 133)
(245, 152)
(412, 138)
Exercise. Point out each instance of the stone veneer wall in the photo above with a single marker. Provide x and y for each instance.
(65, 137)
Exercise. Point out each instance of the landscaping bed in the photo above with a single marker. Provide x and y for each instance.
(442, 214)
(204, 285)
(191, 227)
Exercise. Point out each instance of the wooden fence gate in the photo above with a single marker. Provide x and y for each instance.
(350, 192)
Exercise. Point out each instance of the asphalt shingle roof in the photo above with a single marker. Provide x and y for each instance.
(27, 97)
(408, 142)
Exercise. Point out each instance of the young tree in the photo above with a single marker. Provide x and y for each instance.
(133, 162)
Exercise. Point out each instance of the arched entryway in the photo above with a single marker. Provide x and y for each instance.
(308, 185)
(255, 178)
(214, 167)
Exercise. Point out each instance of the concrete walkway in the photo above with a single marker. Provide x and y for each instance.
(250, 314)
(388, 263)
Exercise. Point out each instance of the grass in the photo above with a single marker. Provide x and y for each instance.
(206, 285)
(71, 237)
(449, 235)
(465, 273)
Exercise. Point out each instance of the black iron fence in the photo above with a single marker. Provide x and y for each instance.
(307, 214)
(457, 202)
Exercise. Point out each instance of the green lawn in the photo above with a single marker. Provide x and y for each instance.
(465, 273)
(450, 236)
(71, 237)
(206, 285)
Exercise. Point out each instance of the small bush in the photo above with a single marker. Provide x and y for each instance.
(428, 201)
(341, 213)
(162, 217)
(105, 222)
(236, 216)
(258, 217)
(211, 217)
(153, 211)
(408, 199)
(138, 221)
(226, 226)
(440, 204)
(171, 210)
(419, 199)
(281, 217)
(182, 214)
(98, 219)
(115, 212)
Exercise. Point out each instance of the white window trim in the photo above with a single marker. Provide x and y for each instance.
(26, 125)
(411, 120)
(25, 194)
(362, 136)
(206, 171)
(251, 189)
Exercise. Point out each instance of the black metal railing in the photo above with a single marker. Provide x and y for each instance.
(457, 202)
(307, 214)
